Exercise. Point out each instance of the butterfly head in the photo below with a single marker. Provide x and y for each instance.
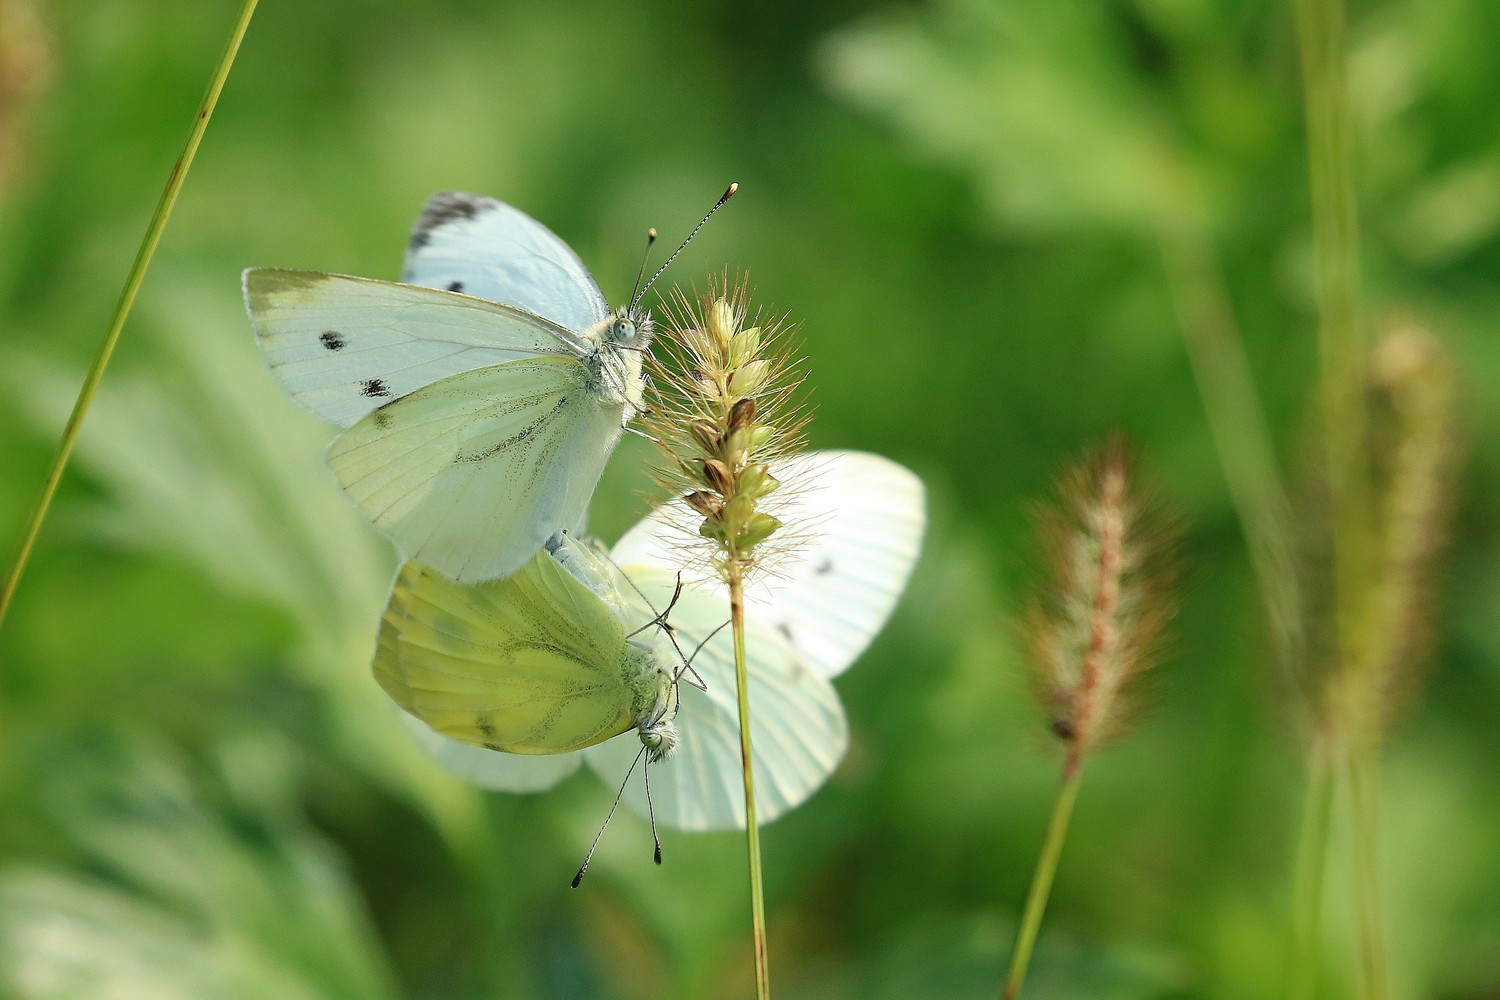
(629, 329)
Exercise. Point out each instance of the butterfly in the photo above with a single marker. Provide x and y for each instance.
(479, 398)
(476, 650)
(539, 662)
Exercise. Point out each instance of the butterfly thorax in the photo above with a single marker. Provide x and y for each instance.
(620, 341)
(654, 697)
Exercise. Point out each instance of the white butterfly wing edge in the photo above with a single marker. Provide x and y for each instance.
(491, 769)
(798, 729)
(862, 517)
(496, 251)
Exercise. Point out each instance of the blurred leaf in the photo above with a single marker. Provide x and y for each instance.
(203, 903)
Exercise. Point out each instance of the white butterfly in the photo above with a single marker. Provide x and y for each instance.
(481, 398)
(804, 627)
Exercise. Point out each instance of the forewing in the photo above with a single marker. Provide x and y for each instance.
(529, 664)
(861, 517)
(484, 247)
(473, 474)
(342, 346)
(798, 730)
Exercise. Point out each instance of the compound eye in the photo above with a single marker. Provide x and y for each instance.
(624, 330)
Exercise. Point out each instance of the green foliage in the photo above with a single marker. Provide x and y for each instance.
(202, 790)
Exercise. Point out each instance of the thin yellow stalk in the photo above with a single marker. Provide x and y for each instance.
(1321, 32)
(122, 309)
(1363, 795)
(752, 829)
(1311, 874)
(1041, 883)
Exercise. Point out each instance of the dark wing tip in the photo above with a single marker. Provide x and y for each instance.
(446, 207)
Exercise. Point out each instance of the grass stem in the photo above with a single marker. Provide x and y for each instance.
(122, 309)
(1343, 386)
(1041, 882)
(1305, 964)
(1363, 778)
(752, 829)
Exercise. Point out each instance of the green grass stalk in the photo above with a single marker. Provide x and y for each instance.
(1364, 771)
(1041, 883)
(1236, 422)
(133, 280)
(1344, 417)
(1306, 962)
(752, 828)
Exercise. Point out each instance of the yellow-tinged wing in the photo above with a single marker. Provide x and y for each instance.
(528, 664)
(474, 473)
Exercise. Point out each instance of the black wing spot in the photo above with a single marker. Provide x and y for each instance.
(374, 387)
(785, 630)
(382, 419)
(824, 568)
(445, 208)
(455, 286)
(332, 340)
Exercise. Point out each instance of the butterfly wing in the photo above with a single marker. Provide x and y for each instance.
(510, 772)
(342, 346)
(492, 769)
(480, 246)
(529, 664)
(797, 728)
(864, 516)
(474, 473)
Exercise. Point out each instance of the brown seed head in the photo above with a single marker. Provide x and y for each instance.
(721, 413)
(1097, 624)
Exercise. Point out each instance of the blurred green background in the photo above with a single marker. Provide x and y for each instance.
(964, 205)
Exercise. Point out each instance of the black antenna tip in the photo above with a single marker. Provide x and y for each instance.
(579, 877)
(658, 854)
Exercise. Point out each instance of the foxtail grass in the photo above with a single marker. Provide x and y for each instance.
(1389, 455)
(1094, 627)
(722, 415)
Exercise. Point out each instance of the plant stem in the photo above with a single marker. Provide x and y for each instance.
(752, 829)
(1311, 877)
(1363, 788)
(1356, 714)
(1041, 882)
(122, 309)
(1341, 341)
(1236, 421)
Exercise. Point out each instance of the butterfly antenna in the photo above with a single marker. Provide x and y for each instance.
(583, 868)
(660, 619)
(651, 807)
(666, 626)
(635, 293)
(687, 661)
(729, 193)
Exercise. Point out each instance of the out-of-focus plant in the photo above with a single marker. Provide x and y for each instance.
(223, 891)
(1094, 627)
